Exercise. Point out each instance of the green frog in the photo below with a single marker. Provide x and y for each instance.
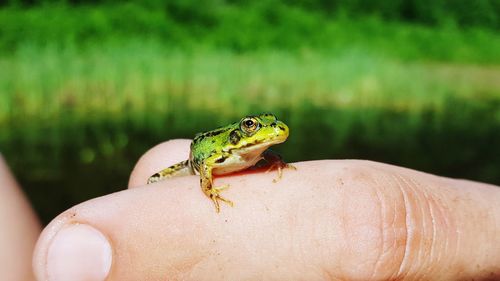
(229, 149)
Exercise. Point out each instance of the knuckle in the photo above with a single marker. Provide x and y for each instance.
(395, 226)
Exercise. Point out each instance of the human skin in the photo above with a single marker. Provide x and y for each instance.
(328, 220)
(19, 229)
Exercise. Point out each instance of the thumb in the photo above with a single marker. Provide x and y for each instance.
(329, 220)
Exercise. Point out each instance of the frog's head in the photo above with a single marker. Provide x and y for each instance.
(258, 132)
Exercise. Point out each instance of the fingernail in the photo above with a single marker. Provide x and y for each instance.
(78, 252)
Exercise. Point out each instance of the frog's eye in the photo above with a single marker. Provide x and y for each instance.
(249, 125)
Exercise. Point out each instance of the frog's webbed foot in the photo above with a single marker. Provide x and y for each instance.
(276, 162)
(214, 194)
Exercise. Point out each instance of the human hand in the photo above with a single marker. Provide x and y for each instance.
(329, 220)
(19, 229)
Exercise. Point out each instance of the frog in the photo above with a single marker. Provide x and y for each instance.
(229, 149)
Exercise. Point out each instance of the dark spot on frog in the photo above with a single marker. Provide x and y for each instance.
(214, 133)
(213, 141)
(155, 176)
(234, 137)
(202, 136)
(221, 160)
(281, 127)
(199, 138)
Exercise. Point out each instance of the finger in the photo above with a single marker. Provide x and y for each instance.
(19, 229)
(345, 220)
(157, 158)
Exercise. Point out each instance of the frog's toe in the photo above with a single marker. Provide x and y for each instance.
(280, 166)
(214, 194)
(221, 187)
(229, 202)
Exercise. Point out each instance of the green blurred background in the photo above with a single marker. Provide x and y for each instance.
(86, 87)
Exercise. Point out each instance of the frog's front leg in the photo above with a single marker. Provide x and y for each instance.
(179, 169)
(206, 182)
(276, 162)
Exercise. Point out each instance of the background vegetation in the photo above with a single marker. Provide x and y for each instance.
(86, 87)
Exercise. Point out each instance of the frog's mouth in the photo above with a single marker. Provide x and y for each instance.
(261, 145)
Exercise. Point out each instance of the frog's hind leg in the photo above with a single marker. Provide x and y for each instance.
(212, 192)
(276, 162)
(179, 169)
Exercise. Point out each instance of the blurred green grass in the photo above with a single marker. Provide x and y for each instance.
(84, 91)
(139, 77)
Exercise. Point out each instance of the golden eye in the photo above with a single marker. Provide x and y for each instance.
(249, 125)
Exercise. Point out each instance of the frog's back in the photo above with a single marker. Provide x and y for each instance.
(207, 144)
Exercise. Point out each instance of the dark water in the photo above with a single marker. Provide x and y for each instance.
(66, 161)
